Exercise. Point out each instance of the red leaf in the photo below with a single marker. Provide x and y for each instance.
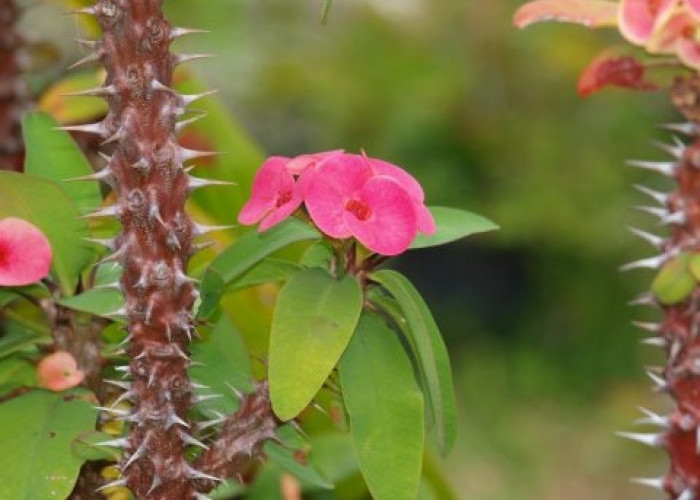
(617, 71)
(590, 13)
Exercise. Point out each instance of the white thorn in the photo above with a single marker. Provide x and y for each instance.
(652, 239)
(201, 229)
(110, 211)
(197, 182)
(200, 398)
(676, 149)
(198, 474)
(650, 263)
(185, 58)
(116, 411)
(653, 419)
(109, 90)
(134, 456)
(645, 299)
(678, 218)
(113, 484)
(688, 494)
(90, 58)
(659, 382)
(662, 167)
(178, 32)
(88, 128)
(182, 124)
(121, 443)
(186, 438)
(190, 154)
(651, 482)
(654, 342)
(688, 128)
(189, 99)
(647, 439)
(648, 326)
(201, 496)
(657, 196)
(235, 391)
(118, 383)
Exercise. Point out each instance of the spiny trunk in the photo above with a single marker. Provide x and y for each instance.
(679, 328)
(155, 243)
(13, 90)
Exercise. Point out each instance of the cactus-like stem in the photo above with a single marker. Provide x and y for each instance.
(241, 439)
(155, 242)
(679, 329)
(13, 90)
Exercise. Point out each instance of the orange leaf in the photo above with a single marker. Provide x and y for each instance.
(590, 13)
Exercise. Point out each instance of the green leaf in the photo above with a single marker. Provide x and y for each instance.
(675, 280)
(21, 336)
(313, 321)
(70, 109)
(36, 431)
(320, 254)
(224, 360)
(453, 224)
(269, 270)
(250, 249)
(289, 461)
(429, 349)
(16, 372)
(45, 205)
(86, 446)
(98, 301)
(385, 407)
(53, 155)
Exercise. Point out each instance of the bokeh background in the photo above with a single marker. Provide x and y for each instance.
(547, 366)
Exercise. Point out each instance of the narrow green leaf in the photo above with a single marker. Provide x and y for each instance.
(250, 249)
(16, 372)
(269, 270)
(54, 155)
(21, 336)
(86, 446)
(289, 461)
(453, 224)
(98, 301)
(385, 407)
(36, 431)
(224, 360)
(45, 205)
(675, 281)
(313, 321)
(430, 351)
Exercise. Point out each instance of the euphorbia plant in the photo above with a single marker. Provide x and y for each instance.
(181, 407)
(667, 33)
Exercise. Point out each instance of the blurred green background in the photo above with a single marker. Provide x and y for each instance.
(546, 363)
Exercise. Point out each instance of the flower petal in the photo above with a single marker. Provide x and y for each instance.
(299, 164)
(590, 13)
(280, 213)
(25, 253)
(392, 225)
(694, 6)
(689, 52)
(333, 181)
(271, 180)
(59, 372)
(638, 18)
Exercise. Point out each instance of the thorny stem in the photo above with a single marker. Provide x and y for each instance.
(154, 246)
(13, 90)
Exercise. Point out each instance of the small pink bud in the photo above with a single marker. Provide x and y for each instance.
(59, 372)
(25, 253)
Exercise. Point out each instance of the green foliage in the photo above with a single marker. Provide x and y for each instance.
(37, 430)
(221, 362)
(385, 407)
(313, 321)
(452, 225)
(53, 155)
(47, 206)
(416, 322)
(248, 250)
(97, 301)
(675, 281)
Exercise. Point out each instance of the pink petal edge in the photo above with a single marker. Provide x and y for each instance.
(25, 253)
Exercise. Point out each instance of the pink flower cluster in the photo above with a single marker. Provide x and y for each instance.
(663, 27)
(346, 195)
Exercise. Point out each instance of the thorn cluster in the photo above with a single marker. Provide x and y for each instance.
(677, 332)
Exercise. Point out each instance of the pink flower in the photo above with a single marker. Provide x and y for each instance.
(345, 197)
(25, 253)
(638, 19)
(426, 222)
(59, 372)
(275, 195)
(679, 34)
(300, 164)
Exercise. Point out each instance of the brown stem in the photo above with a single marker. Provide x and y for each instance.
(13, 90)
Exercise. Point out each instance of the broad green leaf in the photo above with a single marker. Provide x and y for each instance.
(97, 301)
(385, 407)
(224, 360)
(269, 270)
(108, 274)
(453, 224)
(87, 446)
(333, 455)
(289, 461)
(320, 254)
(79, 109)
(313, 321)
(250, 249)
(36, 431)
(53, 155)
(45, 205)
(675, 281)
(16, 372)
(21, 336)
(429, 350)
